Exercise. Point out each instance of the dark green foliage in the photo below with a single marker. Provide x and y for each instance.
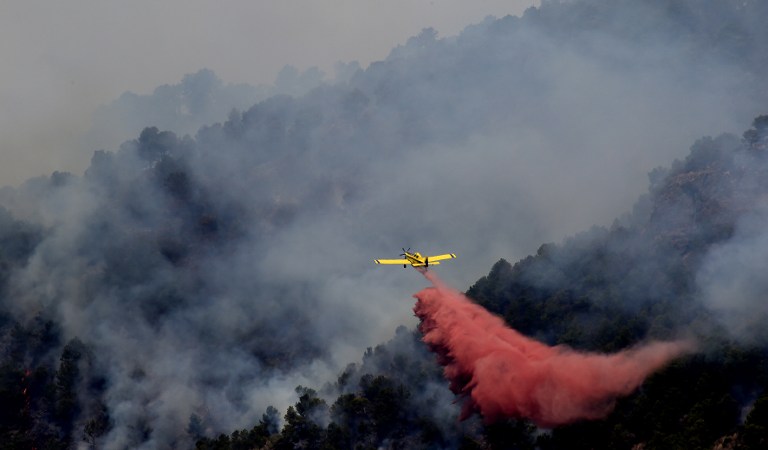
(374, 415)
(382, 403)
(757, 136)
(510, 435)
(223, 442)
(586, 294)
(257, 437)
(755, 430)
(15, 421)
(97, 426)
(153, 143)
(270, 420)
(691, 404)
(47, 404)
(17, 242)
(67, 378)
(304, 423)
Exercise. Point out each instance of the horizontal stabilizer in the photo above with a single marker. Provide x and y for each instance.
(424, 265)
(391, 261)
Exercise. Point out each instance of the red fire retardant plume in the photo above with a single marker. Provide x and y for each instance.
(503, 374)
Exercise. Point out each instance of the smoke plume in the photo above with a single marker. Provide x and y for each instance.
(505, 374)
(210, 274)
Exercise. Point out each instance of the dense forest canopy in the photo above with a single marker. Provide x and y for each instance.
(184, 286)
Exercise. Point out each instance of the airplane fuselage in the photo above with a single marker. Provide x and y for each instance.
(417, 260)
(414, 257)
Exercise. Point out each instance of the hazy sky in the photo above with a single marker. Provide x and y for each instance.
(60, 60)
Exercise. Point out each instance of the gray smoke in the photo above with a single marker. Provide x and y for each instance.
(730, 280)
(213, 274)
(201, 98)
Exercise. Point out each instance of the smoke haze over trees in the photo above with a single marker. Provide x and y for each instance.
(200, 98)
(185, 283)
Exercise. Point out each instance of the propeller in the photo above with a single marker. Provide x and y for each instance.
(405, 251)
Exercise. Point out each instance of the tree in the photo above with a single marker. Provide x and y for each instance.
(754, 434)
(96, 426)
(67, 378)
(303, 422)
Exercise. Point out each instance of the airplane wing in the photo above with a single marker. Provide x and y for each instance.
(391, 261)
(441, 257)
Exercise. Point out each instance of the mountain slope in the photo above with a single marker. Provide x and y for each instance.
(207, 276)
(602, 290)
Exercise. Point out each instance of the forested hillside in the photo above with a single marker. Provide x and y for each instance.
(183, 286)
(602, 290)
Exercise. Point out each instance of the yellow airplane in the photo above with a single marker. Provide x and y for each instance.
(415, 259)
